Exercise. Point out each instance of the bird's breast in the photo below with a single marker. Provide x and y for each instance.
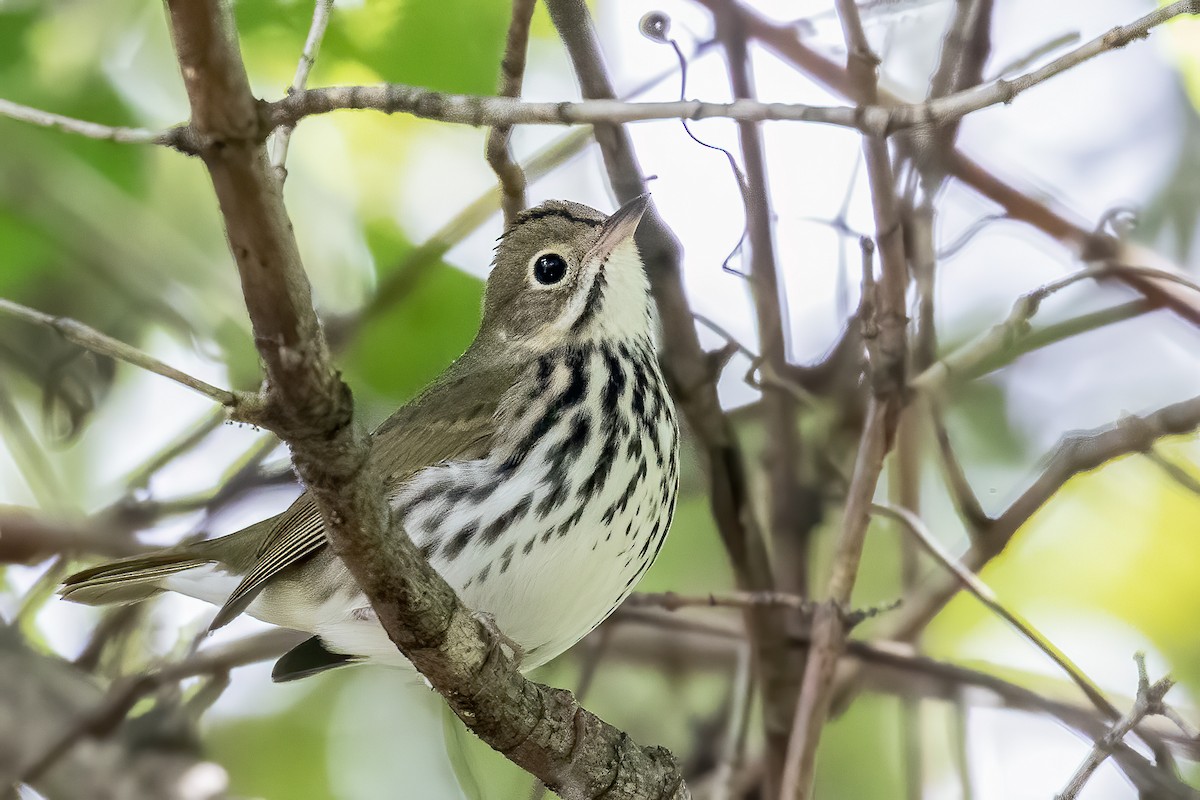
(553, 528)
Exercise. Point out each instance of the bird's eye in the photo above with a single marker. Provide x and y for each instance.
(549, 268)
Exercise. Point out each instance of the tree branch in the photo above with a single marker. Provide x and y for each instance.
(308, 57)
(97, 342)
(498, 149)
(178, 138)
(1149, 701)
(542, 730)
(887, 346)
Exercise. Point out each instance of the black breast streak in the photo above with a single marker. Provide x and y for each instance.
(506, 520)
(571, 447)
(614, 388)
(460, 540)
(622, 502)
(576, 360)
(614, 426)
(570, 522)
(506, 559)
(426, 495)
(555, 497)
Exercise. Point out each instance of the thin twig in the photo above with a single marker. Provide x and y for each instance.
(124, 694)
(982, 592)
(1149, 701)
(993, 348)
(673, 602)
(308, 57)
(828, 627)
(870, 118)
(1176, 472)
(498, 149)
(91, 130)
(97, 342)
(966, 502)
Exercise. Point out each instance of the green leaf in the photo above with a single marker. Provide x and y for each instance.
(399, 353)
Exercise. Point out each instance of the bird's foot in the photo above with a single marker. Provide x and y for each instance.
(499, 637)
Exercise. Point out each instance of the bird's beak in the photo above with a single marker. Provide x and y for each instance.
(617, 228)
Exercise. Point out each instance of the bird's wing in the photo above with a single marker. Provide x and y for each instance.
(451, 420)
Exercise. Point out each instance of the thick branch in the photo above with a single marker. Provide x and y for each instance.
(541, 729)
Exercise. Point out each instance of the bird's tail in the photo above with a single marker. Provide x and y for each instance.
(129, 579)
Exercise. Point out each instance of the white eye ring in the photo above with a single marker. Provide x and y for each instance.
(548, 268)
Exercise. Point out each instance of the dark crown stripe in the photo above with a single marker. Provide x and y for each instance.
(541, 213)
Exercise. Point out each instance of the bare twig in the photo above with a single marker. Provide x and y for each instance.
(1175, 471)
(173, 137)
(1149, 701)
(29, 538)
(966, 502)
(985, 595)
(993, 347)
(673, 602)
(512, 74)
(97, 342)
(308, 57)
(873, 119)
(125, 693)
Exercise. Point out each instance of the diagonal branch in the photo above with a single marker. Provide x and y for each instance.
(102, 344)
(543, 730)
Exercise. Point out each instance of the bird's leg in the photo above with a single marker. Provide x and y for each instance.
(499, 637)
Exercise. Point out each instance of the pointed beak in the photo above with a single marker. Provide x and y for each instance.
(617, 228)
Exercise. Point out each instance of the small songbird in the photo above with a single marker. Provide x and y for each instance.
(537, 474)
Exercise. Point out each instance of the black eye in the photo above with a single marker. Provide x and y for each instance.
(549, 268)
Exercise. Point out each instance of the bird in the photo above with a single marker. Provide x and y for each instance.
(538, 473)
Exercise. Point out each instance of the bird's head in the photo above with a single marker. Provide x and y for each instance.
(566, 273)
